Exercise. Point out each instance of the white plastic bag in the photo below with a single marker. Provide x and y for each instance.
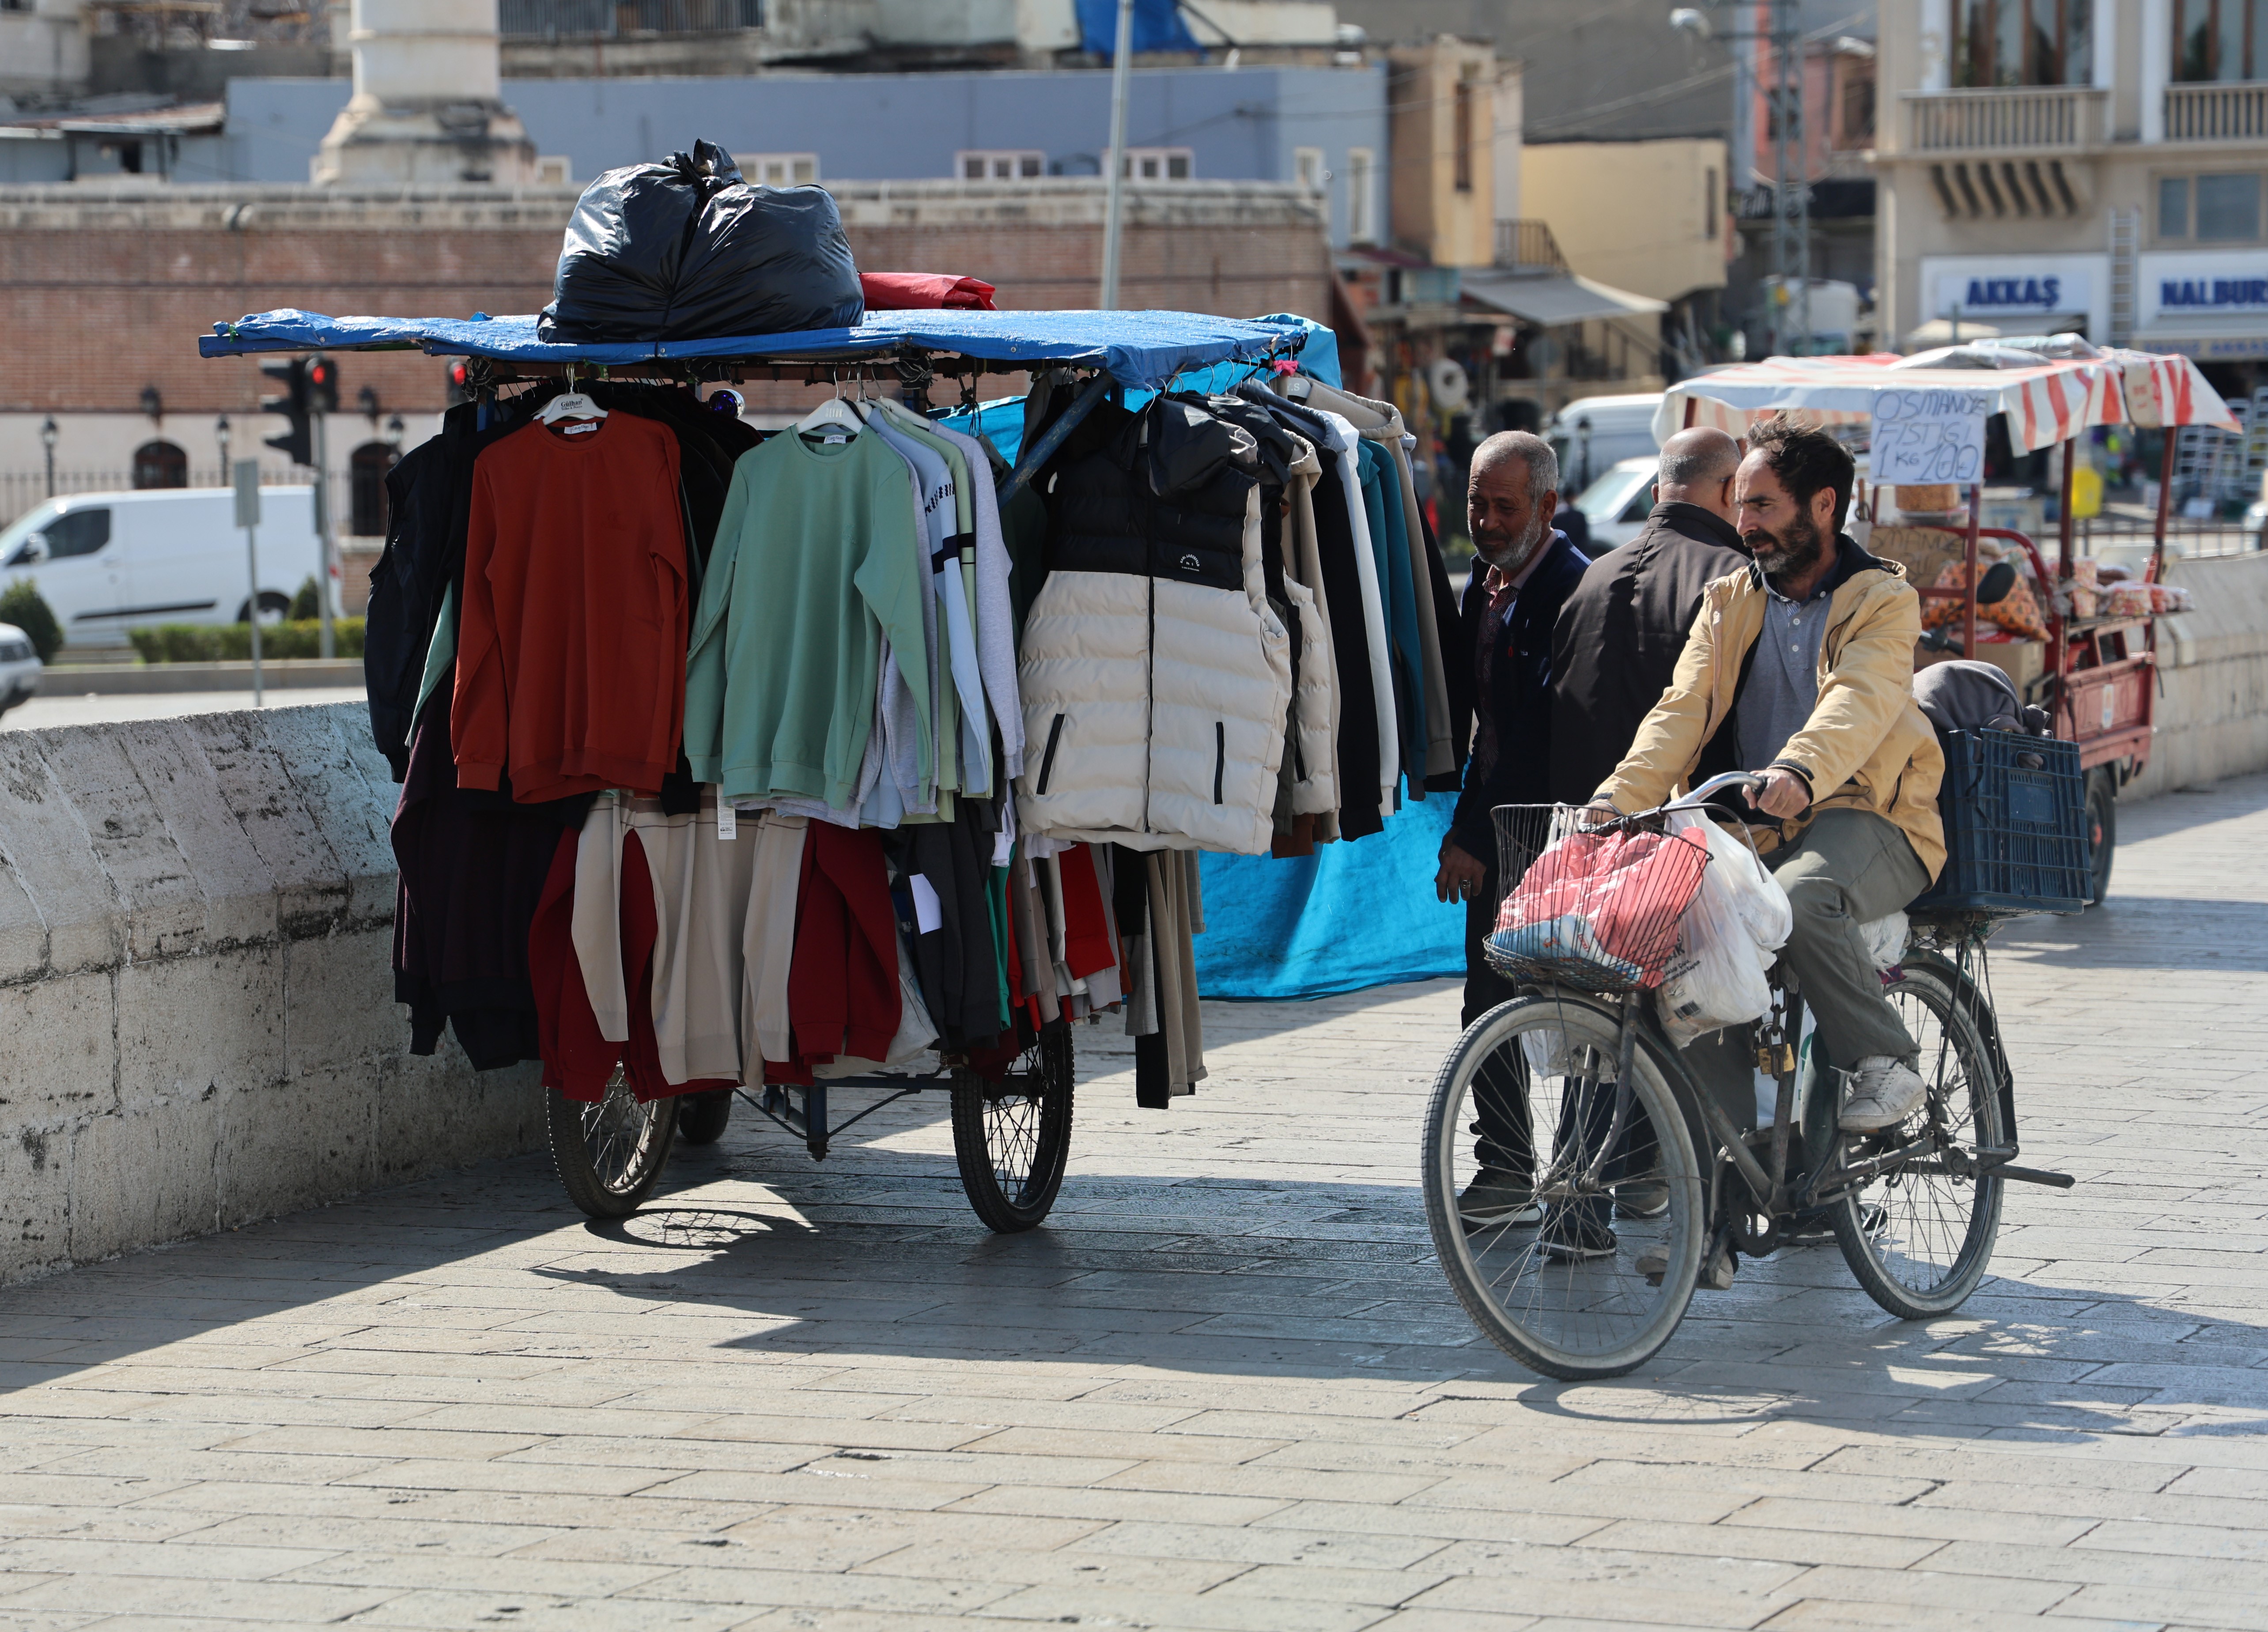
(1886, 939)
(1726, 940)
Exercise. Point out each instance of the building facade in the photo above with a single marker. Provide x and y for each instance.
(2101, 173)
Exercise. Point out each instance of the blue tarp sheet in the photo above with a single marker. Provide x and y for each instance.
(1353, 915)
(1157, 27)
(1139, 349)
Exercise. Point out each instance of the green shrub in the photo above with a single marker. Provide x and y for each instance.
(308, 603)
(22, 604)
(232, 643)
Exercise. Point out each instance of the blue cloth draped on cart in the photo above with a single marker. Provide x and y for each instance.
(1353, 914)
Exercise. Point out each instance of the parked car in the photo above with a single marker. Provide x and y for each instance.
(110, 561)
(1590, 435)
(19, 667)
(1618, 502)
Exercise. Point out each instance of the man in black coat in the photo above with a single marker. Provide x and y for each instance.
(1622, 630)
(1522, 573)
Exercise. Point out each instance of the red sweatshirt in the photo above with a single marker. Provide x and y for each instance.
(570, 640)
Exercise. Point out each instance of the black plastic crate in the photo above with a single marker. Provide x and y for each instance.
(2015, 837)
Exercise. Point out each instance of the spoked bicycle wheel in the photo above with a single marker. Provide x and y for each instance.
(1012, 1137)
(1919, 1238)
(1559, 1275)
(610, 1153)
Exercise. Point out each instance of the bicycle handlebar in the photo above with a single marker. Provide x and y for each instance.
(1748, 781)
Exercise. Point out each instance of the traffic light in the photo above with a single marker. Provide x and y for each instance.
(323, 384)
(460, 388)
(297, 444)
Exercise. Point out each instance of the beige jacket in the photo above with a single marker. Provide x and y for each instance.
(1866, 746)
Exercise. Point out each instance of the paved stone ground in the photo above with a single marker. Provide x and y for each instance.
(1225, 1388)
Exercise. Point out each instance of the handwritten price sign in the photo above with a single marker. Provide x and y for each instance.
(1928, 435)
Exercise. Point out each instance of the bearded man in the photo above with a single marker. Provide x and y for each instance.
(1523, 572)
(1804, 660)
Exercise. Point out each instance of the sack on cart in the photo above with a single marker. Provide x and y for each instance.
(1738, 920)
(687, 250)
(1600, 909)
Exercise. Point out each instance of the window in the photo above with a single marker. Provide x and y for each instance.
(2228, 209)
(1858, 111)
(1160, 164)
(2220, 40)
(160, 465)
(1709, 204)
(557, 170)
(1462, 134)
(74, 533)
(985, 165)
(2221, 208)
(2173, 206)
(1307, 169)
(366, 499)
(1362, 203)
(779, 169)
(2024, 42)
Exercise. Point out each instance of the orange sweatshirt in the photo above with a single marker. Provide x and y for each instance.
(570, 642)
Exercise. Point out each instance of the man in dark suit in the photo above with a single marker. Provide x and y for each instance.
(1623, 628)
(1523, 572)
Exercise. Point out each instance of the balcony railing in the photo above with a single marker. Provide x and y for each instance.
(2046, 118)
(2216, 112)
(616, 19)
(1527, 244)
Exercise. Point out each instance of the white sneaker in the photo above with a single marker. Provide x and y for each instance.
(1884, 1092)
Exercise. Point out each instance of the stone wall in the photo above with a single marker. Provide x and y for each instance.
(196, 922)
(2212, 665)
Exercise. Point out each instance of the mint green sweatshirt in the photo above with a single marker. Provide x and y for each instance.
(817, 557)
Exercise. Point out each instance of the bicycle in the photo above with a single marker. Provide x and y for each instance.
(1578, 1071)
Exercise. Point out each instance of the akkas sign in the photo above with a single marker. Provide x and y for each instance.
(2017, 294)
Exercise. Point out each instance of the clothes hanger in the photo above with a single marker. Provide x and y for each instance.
(570, 404)
(835, 413)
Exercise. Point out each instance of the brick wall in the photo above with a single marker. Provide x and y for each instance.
(104, 296)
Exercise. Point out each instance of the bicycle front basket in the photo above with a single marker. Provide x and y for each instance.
(1590, 906)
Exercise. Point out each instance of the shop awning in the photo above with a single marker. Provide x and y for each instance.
(1144, 350)
(1552, 299)
(2234, 339)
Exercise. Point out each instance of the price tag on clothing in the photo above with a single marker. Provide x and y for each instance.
(1928, 435)
(728, 822)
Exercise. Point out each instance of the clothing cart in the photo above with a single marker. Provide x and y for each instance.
(1011, 1118)
(2097, 676)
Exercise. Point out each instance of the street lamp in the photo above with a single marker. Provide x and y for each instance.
(221, 436)
(394, 431)
(49, 432)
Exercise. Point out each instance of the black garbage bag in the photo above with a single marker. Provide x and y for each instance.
(687, 250)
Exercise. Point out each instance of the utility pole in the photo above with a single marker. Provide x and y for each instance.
(1791, 164)
(1791, 185)
(1121, 64)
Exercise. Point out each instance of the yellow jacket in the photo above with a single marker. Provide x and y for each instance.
(1866, 746)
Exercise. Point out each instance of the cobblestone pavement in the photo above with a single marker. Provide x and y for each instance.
(1224, 1388)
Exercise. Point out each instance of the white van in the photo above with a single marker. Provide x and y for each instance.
(106, 563)
(1592, 435)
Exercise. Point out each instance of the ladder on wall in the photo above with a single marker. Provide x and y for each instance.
(2125, 236)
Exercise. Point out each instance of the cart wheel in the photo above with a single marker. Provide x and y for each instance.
(610, 1155)
(1013, 1136)
(2102, 828)
(701, 1118)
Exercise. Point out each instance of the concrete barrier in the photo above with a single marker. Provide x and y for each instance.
(2212, 668)
(195, 924)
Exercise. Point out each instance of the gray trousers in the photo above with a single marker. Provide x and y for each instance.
(1849, 868)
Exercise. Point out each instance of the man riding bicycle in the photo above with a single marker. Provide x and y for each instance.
(1800, 668)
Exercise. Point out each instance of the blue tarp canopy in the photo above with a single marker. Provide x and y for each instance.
(1157, 27)
(1143, 349)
